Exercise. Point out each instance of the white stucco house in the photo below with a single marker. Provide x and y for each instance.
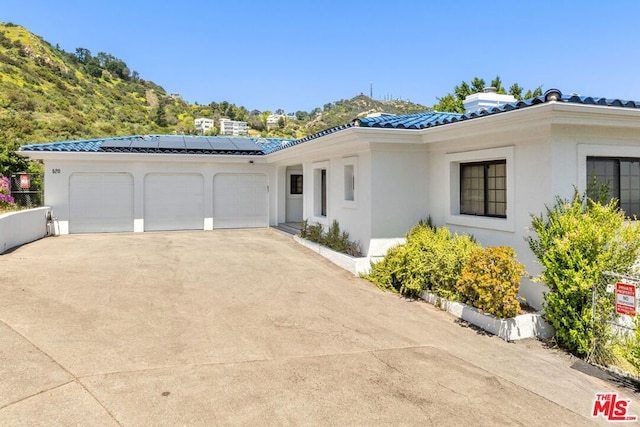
(203, 125)
(233, 127)
(483, 173)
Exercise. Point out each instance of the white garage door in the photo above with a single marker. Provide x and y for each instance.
(173, 202)
(100, 203)
(240, 201)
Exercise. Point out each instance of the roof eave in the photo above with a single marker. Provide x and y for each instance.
(154, 157)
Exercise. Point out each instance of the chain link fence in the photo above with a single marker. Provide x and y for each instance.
(26, 189)
(616, 343)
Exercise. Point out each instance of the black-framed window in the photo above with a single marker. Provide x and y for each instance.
(483, 188)
(296, 184)
(621, 176)
(323, 192)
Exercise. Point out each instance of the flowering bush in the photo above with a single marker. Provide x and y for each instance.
(6, 201)
(490, 281)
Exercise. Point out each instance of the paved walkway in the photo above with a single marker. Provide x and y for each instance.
(249, 328)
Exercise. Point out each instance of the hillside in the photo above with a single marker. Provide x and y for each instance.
(47, 94)
(345, 110)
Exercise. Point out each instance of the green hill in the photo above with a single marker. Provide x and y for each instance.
(343, 111)
(47, 94)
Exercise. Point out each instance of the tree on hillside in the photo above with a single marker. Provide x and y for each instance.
(453, 102)
(83, 55)
(160, 116)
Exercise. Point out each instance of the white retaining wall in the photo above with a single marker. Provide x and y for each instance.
(20, 227)
(355, 266)
(530, 325)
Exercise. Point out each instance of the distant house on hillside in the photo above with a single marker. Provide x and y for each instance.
(272, 120)
(233, 127)
(203, 125)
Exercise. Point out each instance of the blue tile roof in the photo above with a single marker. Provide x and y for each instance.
(165, 144)
(437, 118)
(407, 121)
(262, 146)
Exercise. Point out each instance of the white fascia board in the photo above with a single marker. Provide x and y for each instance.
(138, 157)
(388, 135)
(338, 141)
(535, 116)
(355, 139)
(595, 115)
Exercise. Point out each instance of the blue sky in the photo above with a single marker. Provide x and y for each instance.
(298, 55)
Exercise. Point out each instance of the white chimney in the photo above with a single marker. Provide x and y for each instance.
(486, 99)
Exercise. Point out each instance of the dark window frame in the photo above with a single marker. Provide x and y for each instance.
(618, 189)
(486, 189)
(323, 192)
(296, 184)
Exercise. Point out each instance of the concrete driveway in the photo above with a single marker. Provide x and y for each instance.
(245, 327)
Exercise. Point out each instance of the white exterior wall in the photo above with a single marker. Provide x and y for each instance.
(352, 216)
(399, 193)
(390, 184)
(547, 155)
(58, 172)
(527, 151)
(333, 153)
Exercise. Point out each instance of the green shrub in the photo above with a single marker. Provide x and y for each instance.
(490, 281)
(631, 347)
(334, 238)
(314, 233)
(576, 241)
(331, 238)
(303, 229)
(431, 259)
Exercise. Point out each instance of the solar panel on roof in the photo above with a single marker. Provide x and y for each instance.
(197, 144)
(144, 143)
(116, 143)
(223, 144)
(171, 138)
(171, 144)
(244, 144)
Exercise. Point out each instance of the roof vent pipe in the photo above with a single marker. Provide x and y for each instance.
(552, 95)
(490, 89)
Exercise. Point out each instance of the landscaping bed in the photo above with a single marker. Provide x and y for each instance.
(527, 325)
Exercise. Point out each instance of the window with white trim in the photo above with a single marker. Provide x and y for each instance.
(483, 188)
(349, 183)
(620, 176)
(320, 192)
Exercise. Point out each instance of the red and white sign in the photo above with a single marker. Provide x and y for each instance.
(625, 299)
(25, 181)
(612, 408)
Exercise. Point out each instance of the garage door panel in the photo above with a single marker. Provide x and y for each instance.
(240, 201)
(173, 202)
(100, 203)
